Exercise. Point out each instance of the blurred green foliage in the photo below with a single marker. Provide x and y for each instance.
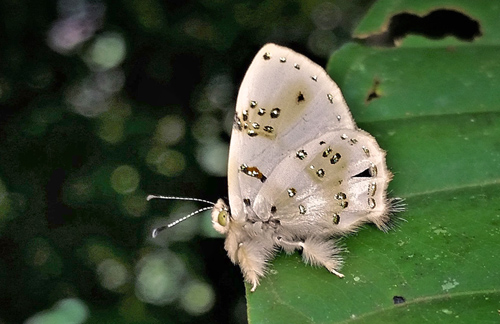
(104, 102)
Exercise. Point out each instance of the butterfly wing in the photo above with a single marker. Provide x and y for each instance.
(284, 102)
(299, 169)
(328, 186)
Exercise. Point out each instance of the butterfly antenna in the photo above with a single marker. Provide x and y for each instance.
(157, 230)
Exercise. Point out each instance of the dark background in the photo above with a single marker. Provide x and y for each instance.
(103, 103)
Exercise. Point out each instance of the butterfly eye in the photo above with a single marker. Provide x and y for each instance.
(222, 218)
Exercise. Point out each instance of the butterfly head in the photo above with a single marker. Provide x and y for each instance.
(221, 217)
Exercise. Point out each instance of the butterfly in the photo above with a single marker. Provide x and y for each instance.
(300, 172)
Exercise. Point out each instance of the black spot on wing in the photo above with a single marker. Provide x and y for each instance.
(300, 97)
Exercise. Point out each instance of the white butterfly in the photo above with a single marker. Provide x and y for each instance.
(300, 172)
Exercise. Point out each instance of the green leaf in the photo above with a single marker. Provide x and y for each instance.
(435, 109)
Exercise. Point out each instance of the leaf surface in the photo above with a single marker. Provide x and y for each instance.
(434, 106)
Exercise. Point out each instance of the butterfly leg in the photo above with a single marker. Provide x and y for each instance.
(252, 259)
(288, 246)
(316, 251)
(322, 251)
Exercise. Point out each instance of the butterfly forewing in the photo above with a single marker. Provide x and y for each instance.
(284, 102)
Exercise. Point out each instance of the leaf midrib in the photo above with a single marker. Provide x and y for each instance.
(422, 300)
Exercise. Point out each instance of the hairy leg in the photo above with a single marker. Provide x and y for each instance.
(318, 251)
(252, 259)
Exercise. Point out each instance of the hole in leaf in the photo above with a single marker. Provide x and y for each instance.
(398, 300)
(374, 92)
(437, 24)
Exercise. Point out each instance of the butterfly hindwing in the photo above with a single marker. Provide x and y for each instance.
(328, 186)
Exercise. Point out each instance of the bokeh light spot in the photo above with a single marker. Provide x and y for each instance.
(158, 278)
(86, 98)
(108, 51)
(135, 205)
(206, 128)
(165, 161)
(326, 16)
(112, 274)
(220, 90)
(213, 158)
(112, 122)
(170, 130)
(322, 42)
(125, 179)
(197, 298)
(95, 251)
(112, 81)
(66, 311)
(111, 130)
